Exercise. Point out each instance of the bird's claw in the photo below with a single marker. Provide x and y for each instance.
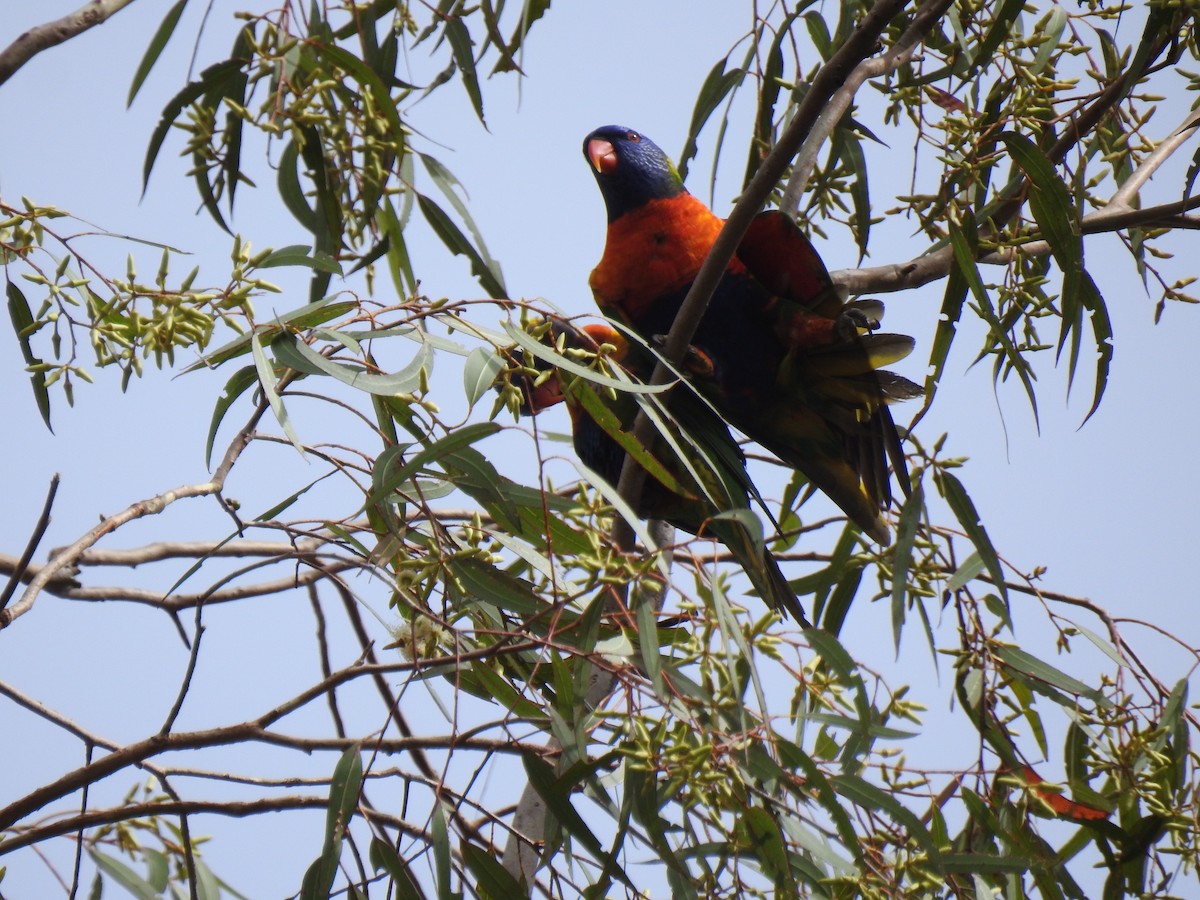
(695, 361)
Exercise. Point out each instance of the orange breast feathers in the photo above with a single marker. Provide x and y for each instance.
(653, 251)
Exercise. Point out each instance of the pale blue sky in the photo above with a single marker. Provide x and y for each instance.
(1108, 509)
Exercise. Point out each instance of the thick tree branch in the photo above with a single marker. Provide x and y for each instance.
(936, 264)
(51, 34)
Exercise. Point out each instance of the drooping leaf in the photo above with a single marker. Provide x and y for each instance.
(964, 510)
(155, 48)
(384, 856)
(237, 385)
(716, 87)
(457, 243)
(123, 875)
(461, 46)
(211, 79)
(22, 321)
(906, 535)
(268, 380)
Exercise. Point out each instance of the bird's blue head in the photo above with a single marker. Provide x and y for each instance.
(630, 169)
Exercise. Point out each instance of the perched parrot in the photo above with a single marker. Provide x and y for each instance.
(779, 352)
(715, 481)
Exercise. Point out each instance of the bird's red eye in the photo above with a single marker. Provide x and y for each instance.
(633, 136)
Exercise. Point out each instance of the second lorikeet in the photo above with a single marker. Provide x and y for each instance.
(779, 352)
(691, 494)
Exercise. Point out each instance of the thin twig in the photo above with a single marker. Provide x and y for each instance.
(39, 531)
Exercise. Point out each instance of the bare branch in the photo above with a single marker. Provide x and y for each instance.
(39, 531)
(936, 264)
(51, 34)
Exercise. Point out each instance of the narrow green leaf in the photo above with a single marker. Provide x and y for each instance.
(305, 317)
(165, 29)
(298, 255)
(473, 473)
(209, 887)
(550, 355)
(405, 381)
(492, 879)
(210, 79)
(123, 875)
(715, 88)
(497, 689)
(484, 583)
(967, 571)
(964, 241)
(648, 646)
(610, 423)
(982, 863)
(158, 869)
(864, 794)
(235, 91)
(22, 319)
(556, 792)
(344, 788)
(860, 192)
(399, 261)
(266, 378)
(1049, 34)
(964, 510)
(441, 852)
(826, 796)
(385, 106)
(384, 856)
(290, 189)
(461, 47)
(450, 186)
(237, 385)
(457, 439)
(906, 536)
(766, 839)
(1030, 665)
(457, 243)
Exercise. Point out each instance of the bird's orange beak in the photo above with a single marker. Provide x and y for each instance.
(603, 155)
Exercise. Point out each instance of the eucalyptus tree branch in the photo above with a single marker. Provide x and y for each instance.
(140, 752)
(936, 264)
(65, 560)
(1123, 198)
(893, 58)
(234, 808)
(51, 34)
(179, 602)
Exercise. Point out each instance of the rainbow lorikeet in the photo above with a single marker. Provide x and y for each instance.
(779, 352)
(691, 491)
